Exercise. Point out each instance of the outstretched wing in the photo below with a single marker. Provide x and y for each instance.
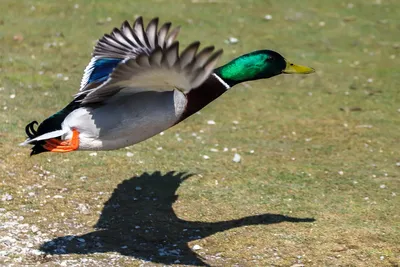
(161, 70)
(128, 42)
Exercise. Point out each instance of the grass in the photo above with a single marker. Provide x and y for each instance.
(325, 145)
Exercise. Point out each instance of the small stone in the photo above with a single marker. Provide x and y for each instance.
(213, 150)
(196, 247)
(138, 188)
(159, 148)
(34, 228)
(3, 253)
(235, 122)
(7, 197)
(129, 154)
(81, 240)
(83, 208)
(251, 151)
(398, 164)
(340, 172)
(18, 37)
(370, 80)
(58, 196)
(382, 186)
(236, 158)
(12, 96)
(233, 40)
(37, 252)
(268, 17)
(162, 133)
(211, 122)
(226, 149)
(76, 6)
(382, 258)
(321, 23)
(206, 157)
(93, 154)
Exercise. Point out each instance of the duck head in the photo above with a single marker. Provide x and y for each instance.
(261, 64)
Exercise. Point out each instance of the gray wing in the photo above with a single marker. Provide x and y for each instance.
(128, 42)
(161, 70)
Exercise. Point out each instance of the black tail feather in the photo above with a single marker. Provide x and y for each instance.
(30, 130)
(38, 148)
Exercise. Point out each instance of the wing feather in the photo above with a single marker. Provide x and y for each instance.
(125, 43)
(161, 70)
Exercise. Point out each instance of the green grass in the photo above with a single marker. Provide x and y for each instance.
(324, 144)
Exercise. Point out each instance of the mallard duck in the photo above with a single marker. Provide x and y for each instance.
(138, 85)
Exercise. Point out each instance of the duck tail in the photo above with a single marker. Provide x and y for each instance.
(38, 140)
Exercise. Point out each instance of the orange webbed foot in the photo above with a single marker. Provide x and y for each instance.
(55, 145)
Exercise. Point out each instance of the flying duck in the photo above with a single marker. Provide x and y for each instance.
(137, 85)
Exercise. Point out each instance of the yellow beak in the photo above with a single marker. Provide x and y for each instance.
(297, 69)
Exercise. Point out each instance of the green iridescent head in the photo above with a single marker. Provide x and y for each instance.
(259, 64)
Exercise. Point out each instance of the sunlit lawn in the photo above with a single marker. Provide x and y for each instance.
(322, 146)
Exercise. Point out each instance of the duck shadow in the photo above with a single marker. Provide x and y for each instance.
(138, 220)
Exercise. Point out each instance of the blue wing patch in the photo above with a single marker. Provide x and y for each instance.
(98, 70)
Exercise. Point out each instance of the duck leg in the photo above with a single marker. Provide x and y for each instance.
(55, 145)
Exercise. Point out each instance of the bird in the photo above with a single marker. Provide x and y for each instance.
(137, 85)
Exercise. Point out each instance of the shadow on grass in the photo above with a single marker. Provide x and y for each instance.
(138, 220)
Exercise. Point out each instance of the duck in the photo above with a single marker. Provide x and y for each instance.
(137, 84)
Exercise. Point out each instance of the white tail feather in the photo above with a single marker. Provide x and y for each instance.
(45, 136)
